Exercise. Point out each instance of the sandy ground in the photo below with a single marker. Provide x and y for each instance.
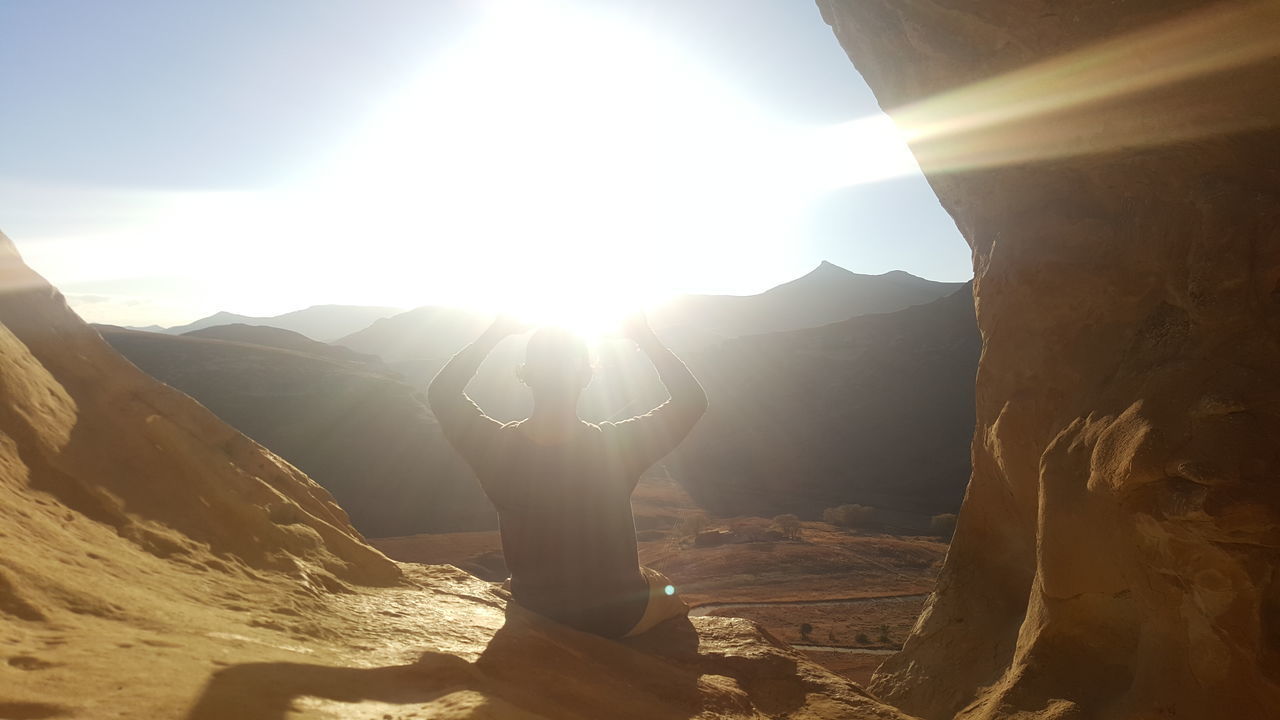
(857, 668)
(825, 563)
(209, 645)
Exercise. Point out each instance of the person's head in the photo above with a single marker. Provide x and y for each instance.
(557, 365)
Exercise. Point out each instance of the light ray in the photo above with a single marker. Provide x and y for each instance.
(1128, 92)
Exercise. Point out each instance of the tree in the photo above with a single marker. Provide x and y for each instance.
(850, 516)
(788, 525)
(805, 629)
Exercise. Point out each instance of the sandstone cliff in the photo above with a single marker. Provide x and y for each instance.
(1115, 167)
(154, 563)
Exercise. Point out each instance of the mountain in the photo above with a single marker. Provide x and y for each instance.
(418, 342)
(324, 323)
(366, 437)
(875, 410)
(827, 294)
(770, 443)
(268, 336)
(424, 337)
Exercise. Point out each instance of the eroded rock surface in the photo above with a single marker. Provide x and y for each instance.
(155, 563)
(1115, 167)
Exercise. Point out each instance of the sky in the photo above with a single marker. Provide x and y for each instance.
(162, 161)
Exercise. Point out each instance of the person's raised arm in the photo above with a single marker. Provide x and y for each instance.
(466, 426)
(648, 437)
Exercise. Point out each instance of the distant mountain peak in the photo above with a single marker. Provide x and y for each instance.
(828, 266)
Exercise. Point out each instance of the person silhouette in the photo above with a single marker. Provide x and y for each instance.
(562, 486)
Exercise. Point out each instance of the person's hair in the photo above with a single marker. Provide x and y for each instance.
(556, 356)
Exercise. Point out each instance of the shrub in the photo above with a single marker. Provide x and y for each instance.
(884, 634)
(788, 525)
(805, 629)
(862, 639)
(943, 525)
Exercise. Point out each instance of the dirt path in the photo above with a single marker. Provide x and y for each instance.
(710, 608)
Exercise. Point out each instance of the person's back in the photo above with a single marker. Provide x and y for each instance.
(562, 487)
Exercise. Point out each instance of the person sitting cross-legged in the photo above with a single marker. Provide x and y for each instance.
(562, 486)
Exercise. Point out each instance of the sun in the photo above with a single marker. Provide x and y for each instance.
(565, 166)
(541, 157)
(593, 319)
(590, 295)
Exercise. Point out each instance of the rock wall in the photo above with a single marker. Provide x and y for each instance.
(1115, 167)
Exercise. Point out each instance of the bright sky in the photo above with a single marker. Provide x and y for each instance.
(163, 160)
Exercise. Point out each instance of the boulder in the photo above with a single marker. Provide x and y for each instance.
(1115, 167)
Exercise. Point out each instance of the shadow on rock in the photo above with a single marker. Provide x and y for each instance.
(267, 691)
(710, 667)
(31, 710)
(550, 669)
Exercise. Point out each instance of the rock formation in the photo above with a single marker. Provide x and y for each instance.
(1115, 167)
(154, 563)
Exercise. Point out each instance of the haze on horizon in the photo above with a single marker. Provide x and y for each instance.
(171, 162)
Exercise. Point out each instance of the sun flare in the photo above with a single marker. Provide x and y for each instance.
(583, 168)
(558, 163)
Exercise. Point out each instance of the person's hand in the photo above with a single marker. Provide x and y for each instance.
(636, 327)
(504, 325)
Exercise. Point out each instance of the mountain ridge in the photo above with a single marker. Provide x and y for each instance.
(876, 409)
(322, 323)
(828, 293)
(379, 451)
